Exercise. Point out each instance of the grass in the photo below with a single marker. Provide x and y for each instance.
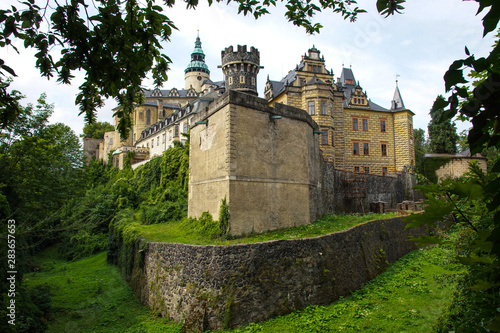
(92, 296)
(185, 232)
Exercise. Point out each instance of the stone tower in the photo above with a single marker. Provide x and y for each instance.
(240, 69)
(197, 70)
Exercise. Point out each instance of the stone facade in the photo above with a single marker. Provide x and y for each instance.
(215, 287)
(357, 134)
(264, 160)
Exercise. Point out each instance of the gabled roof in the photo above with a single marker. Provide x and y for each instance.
(279, 86)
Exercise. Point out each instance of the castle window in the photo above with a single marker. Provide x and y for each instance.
(242, 78)
(163, 138)
(354, 124)
(152, 143)
(323, 108)
(356, 169)
(302, 82)
(111, 141)
(367, 169)
(230, 80)
(365, 124)
(355, 148)
(176, 131)
(382, 126)
(157, 140)
(366, 148)
(141, 116)
(355, 101)
(383, 148)
(185, 127)
(324, 137)
(384, 171)
(331, 108)
(148, 117)
(311, 107)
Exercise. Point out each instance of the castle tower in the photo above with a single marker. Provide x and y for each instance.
(197, 70)
(240, 69)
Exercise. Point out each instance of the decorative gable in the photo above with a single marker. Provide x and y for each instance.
(156, 93)
(174, 93)
(358, 97)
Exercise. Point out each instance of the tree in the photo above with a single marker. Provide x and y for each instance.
(40, 169)
(442, 132)
(105, 37)
(96, 130)
(40, 163)
(421, 147)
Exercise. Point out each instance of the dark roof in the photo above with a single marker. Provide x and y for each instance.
(347, 74)
(170, 106)
(165, 92)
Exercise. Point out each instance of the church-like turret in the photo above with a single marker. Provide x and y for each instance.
(197, 70)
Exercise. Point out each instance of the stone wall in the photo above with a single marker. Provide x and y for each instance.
(349, 192)
(457, 167)
(212, 287)
(91, 148)
(264, 160)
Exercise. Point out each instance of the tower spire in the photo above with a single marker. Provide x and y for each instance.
(397, 100)
(197, 70)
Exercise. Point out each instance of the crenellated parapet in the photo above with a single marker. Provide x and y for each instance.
(240, 68)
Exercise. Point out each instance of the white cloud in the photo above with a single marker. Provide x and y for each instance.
(419, 45)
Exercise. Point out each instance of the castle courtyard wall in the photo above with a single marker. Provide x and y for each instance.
(214, 287)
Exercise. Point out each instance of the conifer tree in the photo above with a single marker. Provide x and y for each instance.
(443, 135)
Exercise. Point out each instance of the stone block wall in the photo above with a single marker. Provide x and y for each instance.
(347, 192)
(264, 160)
(213, 287)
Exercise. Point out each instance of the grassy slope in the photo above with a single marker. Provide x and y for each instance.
(91, 296)
(182, 232)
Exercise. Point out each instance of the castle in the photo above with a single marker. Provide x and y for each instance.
(355, 134)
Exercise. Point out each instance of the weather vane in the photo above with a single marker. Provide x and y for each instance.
(397, 75)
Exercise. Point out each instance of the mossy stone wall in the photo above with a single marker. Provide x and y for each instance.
(214, 287)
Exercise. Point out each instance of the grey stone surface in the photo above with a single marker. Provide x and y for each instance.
(212, 287)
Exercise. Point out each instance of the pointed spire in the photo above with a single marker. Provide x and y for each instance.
(397, 100)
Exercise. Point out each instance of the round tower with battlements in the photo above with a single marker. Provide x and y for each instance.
(240, 69)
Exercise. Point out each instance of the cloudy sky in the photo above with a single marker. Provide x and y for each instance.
(418, 45)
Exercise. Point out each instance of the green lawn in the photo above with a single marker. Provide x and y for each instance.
(185, 232)
(91, 296)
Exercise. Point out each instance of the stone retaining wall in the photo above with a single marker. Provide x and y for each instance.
(212, 287)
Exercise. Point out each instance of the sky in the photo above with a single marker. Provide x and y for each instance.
(418, 46)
